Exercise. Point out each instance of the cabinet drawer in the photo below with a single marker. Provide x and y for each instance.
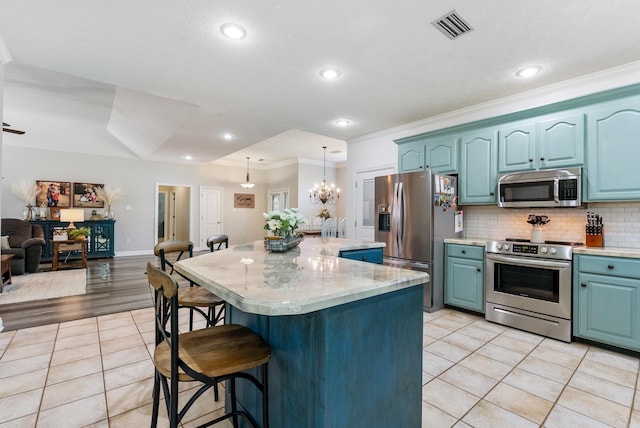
(465, 251)
(614, 266)
(372, 256)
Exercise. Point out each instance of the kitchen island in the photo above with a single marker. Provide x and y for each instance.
(346, 336)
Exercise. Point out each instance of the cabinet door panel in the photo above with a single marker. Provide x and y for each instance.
(442, 155)
(561, 141)
(464, 285)
(613, 153)
(516, 148)
(478, 169)
(411, 158)
(608, 310)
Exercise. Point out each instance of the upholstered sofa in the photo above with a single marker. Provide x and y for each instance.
(26, 242)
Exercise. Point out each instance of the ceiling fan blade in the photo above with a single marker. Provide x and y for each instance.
(13, 131)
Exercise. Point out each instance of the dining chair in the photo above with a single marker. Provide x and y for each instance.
(209, 356)
(214, 240)
(329, 228)
(195, 298)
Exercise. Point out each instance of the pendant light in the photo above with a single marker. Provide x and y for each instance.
(324, 194)
(247, 184)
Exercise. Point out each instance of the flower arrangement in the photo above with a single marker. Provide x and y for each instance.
(109, 195)
(25, 190)
(324, 213)
(538, 220)
(283, 223)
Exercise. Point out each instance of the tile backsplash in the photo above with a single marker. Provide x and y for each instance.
(621, 223)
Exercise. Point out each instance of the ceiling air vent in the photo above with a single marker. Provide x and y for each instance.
(452, 25)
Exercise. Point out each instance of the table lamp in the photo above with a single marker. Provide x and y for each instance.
(72, 215)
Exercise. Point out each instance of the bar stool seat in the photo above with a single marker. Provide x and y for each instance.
(222, 353)
(217, 239)
(194, 297)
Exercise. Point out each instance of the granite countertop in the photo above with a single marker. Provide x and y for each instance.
(481, 242)
(305, 279)
(633, 253)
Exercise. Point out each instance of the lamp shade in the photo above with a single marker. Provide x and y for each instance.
(72, 215)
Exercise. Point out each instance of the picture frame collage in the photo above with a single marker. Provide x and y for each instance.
(57, 195)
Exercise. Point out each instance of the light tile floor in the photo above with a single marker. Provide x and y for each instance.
(97, 372)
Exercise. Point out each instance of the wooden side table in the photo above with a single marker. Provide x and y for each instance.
(68, 246)
(6, 270)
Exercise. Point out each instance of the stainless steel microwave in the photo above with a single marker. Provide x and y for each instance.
(552, 188)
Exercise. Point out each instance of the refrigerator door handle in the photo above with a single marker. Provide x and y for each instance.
(398, 228)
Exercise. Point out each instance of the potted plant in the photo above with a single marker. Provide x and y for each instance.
(79, 234)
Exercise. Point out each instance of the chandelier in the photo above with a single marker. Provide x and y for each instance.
(324, 194)
(247, 184)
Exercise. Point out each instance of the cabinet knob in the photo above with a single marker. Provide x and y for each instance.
(426, 166)
(530, 160)
(583, 284)
(610, 267)
(364, 258)
(542, 159)
(491, 194)
(464, 251)
(478, 270)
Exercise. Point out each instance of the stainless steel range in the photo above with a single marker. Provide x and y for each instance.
(528, 286)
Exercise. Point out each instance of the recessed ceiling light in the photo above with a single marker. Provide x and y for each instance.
(330, 73)
(227, 136)
(188, 157)
(528, 71)
(342, 123)
(233, 31)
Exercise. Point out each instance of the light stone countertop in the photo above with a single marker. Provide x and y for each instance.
(481, 242)
(633, 253)
(305, 279)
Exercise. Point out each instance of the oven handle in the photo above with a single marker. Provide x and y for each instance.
(529, 262)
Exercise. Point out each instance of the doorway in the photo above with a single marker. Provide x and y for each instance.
(365, 202)
(173, 213)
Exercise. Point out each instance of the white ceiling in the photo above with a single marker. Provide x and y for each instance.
(156, 79)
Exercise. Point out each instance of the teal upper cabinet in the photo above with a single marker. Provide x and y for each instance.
(553, 141)
(439, 154)
(477, 184)
(517, 147)
(561, 140)
(613, 151)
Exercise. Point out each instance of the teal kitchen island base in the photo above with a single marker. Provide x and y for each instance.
(345, 335)
(353, 365)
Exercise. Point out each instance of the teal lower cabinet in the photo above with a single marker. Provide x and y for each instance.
(372, 255)
(464, 277)
(607, 300)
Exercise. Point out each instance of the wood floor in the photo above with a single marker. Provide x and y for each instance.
(113, 285)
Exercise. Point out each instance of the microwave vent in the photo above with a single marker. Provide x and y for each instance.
(452, 25)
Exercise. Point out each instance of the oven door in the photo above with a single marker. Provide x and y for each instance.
(536, 285)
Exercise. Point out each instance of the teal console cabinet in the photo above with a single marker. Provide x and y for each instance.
(371, 255)
(478, 171)
(440, 154)
(613, 151)
(606, 296)
(464, 277)
(101, 240)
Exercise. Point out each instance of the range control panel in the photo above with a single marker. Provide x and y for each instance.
(545, 251)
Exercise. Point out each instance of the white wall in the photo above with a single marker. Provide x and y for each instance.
(135, 213)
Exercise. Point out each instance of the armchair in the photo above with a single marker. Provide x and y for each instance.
(26, 242)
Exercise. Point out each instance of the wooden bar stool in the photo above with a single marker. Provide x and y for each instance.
(209, 356)
(217, 239)
(195, 297)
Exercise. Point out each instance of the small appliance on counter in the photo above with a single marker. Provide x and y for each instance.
(594, 230)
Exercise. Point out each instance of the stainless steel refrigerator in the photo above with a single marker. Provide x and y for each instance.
(416, 212)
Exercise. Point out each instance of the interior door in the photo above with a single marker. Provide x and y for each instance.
(210, 213)
(365, 202)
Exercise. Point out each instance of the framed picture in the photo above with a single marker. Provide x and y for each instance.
(54, 193)
(85, 195)
(244, 200)
(54, 213)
